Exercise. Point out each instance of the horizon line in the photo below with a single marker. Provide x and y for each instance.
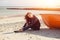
(48, 9)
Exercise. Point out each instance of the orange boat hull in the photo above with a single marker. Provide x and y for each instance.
(51, 20)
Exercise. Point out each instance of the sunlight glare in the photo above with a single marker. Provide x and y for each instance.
(48, 3)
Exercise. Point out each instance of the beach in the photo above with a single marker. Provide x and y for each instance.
(8, 25)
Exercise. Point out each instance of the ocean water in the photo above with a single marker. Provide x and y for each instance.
(5, 12)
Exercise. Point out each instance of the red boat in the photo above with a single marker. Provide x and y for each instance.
(51, 20)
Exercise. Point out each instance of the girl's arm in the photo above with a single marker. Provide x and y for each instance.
(25, 25)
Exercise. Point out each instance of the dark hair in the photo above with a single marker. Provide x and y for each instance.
(26, 16)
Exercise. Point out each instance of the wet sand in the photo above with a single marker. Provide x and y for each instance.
(8, 25)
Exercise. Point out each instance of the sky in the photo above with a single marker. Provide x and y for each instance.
(31, 3)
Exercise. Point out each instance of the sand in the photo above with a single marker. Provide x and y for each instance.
(8, 25)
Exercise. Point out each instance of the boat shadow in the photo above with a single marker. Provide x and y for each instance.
(46, 33)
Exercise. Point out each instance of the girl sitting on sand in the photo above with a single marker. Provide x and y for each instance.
(31, 22)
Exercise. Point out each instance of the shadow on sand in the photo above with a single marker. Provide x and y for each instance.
(46, 33)
(43, 32)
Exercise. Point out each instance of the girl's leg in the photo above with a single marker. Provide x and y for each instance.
(21, 30)
(25, 28)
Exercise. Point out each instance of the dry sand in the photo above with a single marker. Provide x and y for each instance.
(8, 25)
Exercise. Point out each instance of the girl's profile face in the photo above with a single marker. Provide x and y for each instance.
(30, 15)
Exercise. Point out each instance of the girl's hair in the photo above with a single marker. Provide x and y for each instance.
(26, 16)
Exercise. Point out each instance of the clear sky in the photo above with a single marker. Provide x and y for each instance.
(31, 3)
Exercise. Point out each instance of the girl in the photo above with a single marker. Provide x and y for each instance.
(31, 22)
